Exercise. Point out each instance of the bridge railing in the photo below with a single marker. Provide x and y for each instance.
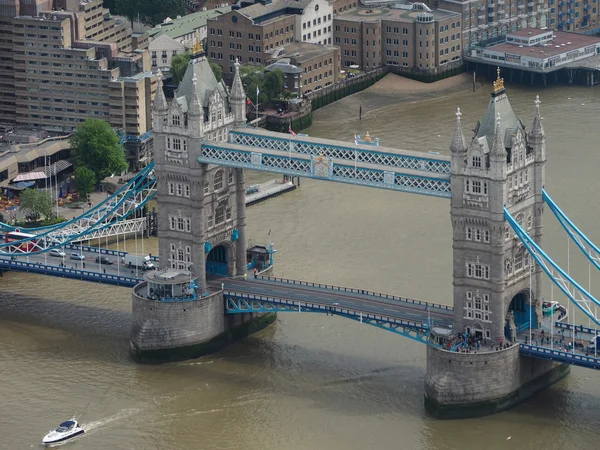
(103, 251)
(357, 291)
(557, 355)
(319, 307)
(66, 272)
(580, 328)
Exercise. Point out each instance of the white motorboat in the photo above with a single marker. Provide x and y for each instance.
(65, 431)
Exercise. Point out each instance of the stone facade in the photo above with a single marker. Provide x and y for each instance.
(502, 165)
(202, 207)
(461, 385)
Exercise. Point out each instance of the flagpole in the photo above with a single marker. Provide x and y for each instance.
(256, 106)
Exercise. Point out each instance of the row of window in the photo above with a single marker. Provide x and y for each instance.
(219, 56)
(316, 22)
(479, 271)
(320, 77)
(306, 37)
(445, 27)
(477, 234)
(316, 66)
(452, 38)
(177, 223)
(477, 306)
(53, 55)
(179, 259)
(476, 187)
(164, 53)
(179, 189)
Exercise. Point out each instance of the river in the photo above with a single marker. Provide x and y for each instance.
(308, 381)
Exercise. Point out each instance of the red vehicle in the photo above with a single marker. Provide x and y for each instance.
(14, 236)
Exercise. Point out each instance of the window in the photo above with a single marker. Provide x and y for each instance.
(476, 161)
(220, 214)
(477, 270)
(230, 177)
(176, 120)
(218, 183)
(529, 221)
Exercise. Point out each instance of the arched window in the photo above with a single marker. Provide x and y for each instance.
(220, 214)
(231, 176)
(519, 219)
(218, 184)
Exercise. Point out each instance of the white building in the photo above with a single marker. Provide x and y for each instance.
(315, 23)
(162, 50)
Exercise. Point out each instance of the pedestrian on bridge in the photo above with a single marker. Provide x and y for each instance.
(245, 276)
(222, 286)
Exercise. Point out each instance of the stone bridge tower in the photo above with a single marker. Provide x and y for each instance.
(494, 277)
(201, 225)
(503, 165)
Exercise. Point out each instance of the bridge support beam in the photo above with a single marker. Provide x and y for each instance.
(171, 331)
(464, 385)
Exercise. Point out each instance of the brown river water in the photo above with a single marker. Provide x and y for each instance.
(308, 381)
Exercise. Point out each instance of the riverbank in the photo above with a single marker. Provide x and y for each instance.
(393, 89)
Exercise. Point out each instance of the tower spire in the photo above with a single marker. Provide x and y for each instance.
(498, 149)
(195, 107)
(160, 101)
(238, 97)
(458, 144)
(537, 130)
(498, 84)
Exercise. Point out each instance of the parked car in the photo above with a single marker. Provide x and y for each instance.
(77, 257)
(103, 260)
(57, 252)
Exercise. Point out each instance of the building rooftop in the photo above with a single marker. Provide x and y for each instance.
(258, 10)
(187, 24)
(304, 51)
(562, 43)
(374, 15)
(169, 276)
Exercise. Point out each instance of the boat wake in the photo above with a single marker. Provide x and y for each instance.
(102, 423)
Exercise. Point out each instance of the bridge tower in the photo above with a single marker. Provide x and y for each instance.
(202, 213)
(496, 285)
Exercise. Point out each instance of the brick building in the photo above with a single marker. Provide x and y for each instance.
(413, 36)
(60, 67)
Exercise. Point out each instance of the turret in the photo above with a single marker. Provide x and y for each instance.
(458, 147)
(195, 111)
(238, 98)
(537, 136)
(160, 106)
(498, 153)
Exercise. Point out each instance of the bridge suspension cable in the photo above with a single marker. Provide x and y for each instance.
(111, 222)
(589, 249)
(580, 297)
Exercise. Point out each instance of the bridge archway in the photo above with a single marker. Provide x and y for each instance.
(219, 259)
(521, 313)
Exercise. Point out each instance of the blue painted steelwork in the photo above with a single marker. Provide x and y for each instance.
(97, 211)
(236, 303)
(578, 328)
(305, 145)
(559, 356)
(561, 279)
(589, 249)
(103, 251)
(57, 238)
(65, 272)
(357, 291)
(325, 168)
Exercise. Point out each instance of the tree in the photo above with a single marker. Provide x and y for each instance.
(128, 8)
(216, 70)
(149, 12)
(273, 84)
(96, 146)
(37, 203)
(179, 65)
(85, 180)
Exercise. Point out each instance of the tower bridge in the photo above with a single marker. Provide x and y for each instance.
(204, 295)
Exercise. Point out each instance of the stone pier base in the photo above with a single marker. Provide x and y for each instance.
(164, 332)
(463, 385)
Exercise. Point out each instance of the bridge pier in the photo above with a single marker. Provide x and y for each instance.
(175, 329)
(464, 385)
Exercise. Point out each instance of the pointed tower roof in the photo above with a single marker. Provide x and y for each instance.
(206, 83)
(160, 101)
(195, 107)
(498, 148)
(458, 144)
(499, 105)
(537, 130)
(237, 88)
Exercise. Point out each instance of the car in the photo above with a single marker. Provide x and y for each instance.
(58, 253)
(336, 304)
(77, 257)
(103, 260)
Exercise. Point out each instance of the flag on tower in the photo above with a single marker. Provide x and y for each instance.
(291, 131)
(356, 139)
(257, 91)
(248, 101)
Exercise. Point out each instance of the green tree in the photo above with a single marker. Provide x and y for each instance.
(128, 8)
(37, 203)
(179, 64)
(96, 146)
(85, 180)
(216, 70)
(273, 84)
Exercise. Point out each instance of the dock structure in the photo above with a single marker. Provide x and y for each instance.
(257, 193)
(538, 56)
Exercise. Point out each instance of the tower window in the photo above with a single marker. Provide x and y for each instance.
(218, 180)
(176, 120)
(476, 161)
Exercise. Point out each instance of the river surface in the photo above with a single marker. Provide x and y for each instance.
(309, 381)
